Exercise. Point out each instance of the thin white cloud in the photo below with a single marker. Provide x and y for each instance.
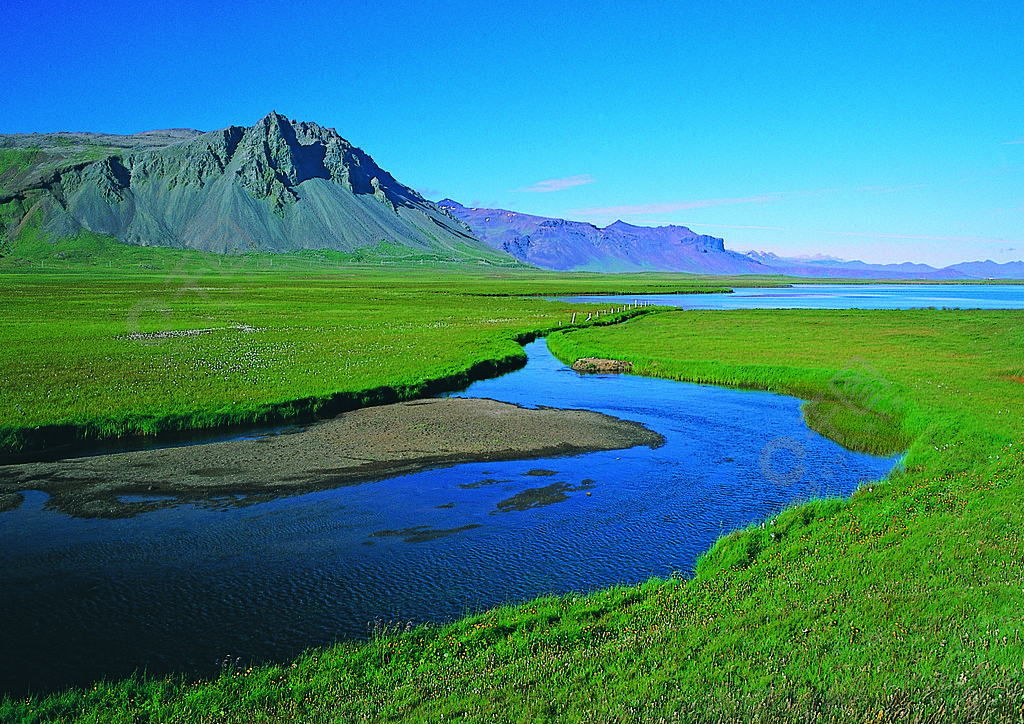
(1018, 142)
(558, 184)
(889, 189)
(669, 207)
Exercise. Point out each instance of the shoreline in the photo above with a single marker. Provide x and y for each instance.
(56, 441)
(356, 447)
(60, 441)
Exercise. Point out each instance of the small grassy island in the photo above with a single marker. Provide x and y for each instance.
(904, 602)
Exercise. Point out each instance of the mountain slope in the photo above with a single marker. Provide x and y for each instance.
(278, 186)
(991, 269)
(840, 269)
(575, 245)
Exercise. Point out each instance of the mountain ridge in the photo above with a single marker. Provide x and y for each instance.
(283, 185)
(564, 245)
(279, 185)
(855, 269)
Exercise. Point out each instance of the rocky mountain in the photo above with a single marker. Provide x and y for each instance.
(575, 245)
(280, 185)
(563, 245)
(837, 268)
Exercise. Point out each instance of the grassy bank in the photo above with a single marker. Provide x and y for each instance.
(97, 355)
(903, 603)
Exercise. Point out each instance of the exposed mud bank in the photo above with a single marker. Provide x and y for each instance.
(597, 365)
(356, 447)
(54, 442)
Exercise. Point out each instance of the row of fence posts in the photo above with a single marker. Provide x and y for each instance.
(615, 310)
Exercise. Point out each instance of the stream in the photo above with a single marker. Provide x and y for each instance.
(180, 589)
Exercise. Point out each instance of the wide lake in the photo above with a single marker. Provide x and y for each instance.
(179, 589)
(838, 296)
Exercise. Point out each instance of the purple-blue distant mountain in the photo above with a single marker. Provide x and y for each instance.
(578, 246)
(837, 268)
(840, 269)
(991, 269)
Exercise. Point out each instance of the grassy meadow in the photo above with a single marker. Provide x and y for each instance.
(903, 603)
(109, 340)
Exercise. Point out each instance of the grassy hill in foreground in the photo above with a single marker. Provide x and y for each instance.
(902, 603)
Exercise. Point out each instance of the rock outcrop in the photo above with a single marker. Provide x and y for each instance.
(594, 365)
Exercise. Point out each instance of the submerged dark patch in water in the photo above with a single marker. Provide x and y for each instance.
(144, 498)
(540, 473)
(423, 533)
(539, 497)
(483, 483)
(228, 502)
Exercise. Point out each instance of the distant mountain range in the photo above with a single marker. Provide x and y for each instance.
(280, 185)
(563, 245)
(620, 247)
(838, 268)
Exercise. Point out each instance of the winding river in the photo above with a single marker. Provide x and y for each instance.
(180, 589)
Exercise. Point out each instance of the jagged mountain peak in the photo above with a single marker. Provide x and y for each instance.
(276, 128)
(278, 185)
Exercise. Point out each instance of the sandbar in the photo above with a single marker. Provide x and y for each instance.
(356, 447)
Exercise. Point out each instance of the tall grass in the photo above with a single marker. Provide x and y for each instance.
(903, 603)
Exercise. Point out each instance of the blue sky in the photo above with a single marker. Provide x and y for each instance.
(883, 131)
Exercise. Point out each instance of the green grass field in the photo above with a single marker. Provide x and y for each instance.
(188, 341)
(903, 603)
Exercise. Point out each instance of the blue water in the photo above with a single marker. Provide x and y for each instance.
(179, 589)
(837, 296)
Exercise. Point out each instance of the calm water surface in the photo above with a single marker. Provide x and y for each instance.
(839, 296)
(177, 590)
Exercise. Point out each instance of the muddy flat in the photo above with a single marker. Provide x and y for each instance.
(356, 447)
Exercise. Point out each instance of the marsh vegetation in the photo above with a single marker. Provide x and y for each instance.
(902, 601)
